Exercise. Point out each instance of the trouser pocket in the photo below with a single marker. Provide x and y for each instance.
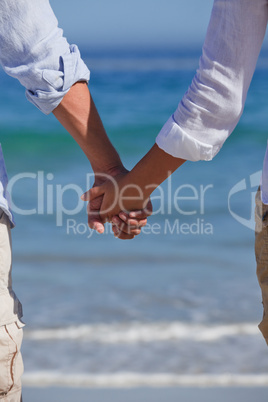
(11, 365)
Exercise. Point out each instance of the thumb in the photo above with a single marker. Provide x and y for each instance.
(95, 224)
(92, 193)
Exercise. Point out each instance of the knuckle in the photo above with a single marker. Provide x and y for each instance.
(136, 232)
(133, 222)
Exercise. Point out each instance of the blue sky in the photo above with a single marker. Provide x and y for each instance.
(117, 23)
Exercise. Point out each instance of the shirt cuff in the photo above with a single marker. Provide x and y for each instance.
(176, 142)
(55, 83)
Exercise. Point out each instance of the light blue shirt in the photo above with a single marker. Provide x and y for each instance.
(4, 196)
(34, 51)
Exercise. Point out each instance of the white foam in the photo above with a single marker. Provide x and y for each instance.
(130, 380)
(144, 332)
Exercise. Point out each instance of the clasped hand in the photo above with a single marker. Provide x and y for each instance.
(113, 199)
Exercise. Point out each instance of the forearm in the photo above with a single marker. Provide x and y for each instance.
(155, 167)
(78, 114)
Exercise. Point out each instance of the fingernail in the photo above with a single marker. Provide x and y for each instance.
(98, 228)
(83, 197)
(132, 214)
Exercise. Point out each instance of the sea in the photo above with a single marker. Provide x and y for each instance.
(178, 305)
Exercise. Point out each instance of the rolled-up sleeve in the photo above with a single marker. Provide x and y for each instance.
(34, 50)
(214, 102)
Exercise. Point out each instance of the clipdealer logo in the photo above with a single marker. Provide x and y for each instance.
(49, 197)
(247, 188)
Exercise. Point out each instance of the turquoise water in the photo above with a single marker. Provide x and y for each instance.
(182, 298)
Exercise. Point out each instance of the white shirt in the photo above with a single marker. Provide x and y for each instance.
(213, 104)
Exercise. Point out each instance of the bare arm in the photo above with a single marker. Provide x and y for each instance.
(78, 114)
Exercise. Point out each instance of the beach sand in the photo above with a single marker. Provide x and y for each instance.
(179, 394)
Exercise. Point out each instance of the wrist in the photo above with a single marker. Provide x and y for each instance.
(115, 170)
(107, 162)
(110, 170)
(134, 185)
(104, 173)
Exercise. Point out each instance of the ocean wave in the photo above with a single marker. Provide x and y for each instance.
(130, 380)
(144, 332)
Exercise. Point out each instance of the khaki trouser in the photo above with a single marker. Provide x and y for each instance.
(261, 251)
(11, 365)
